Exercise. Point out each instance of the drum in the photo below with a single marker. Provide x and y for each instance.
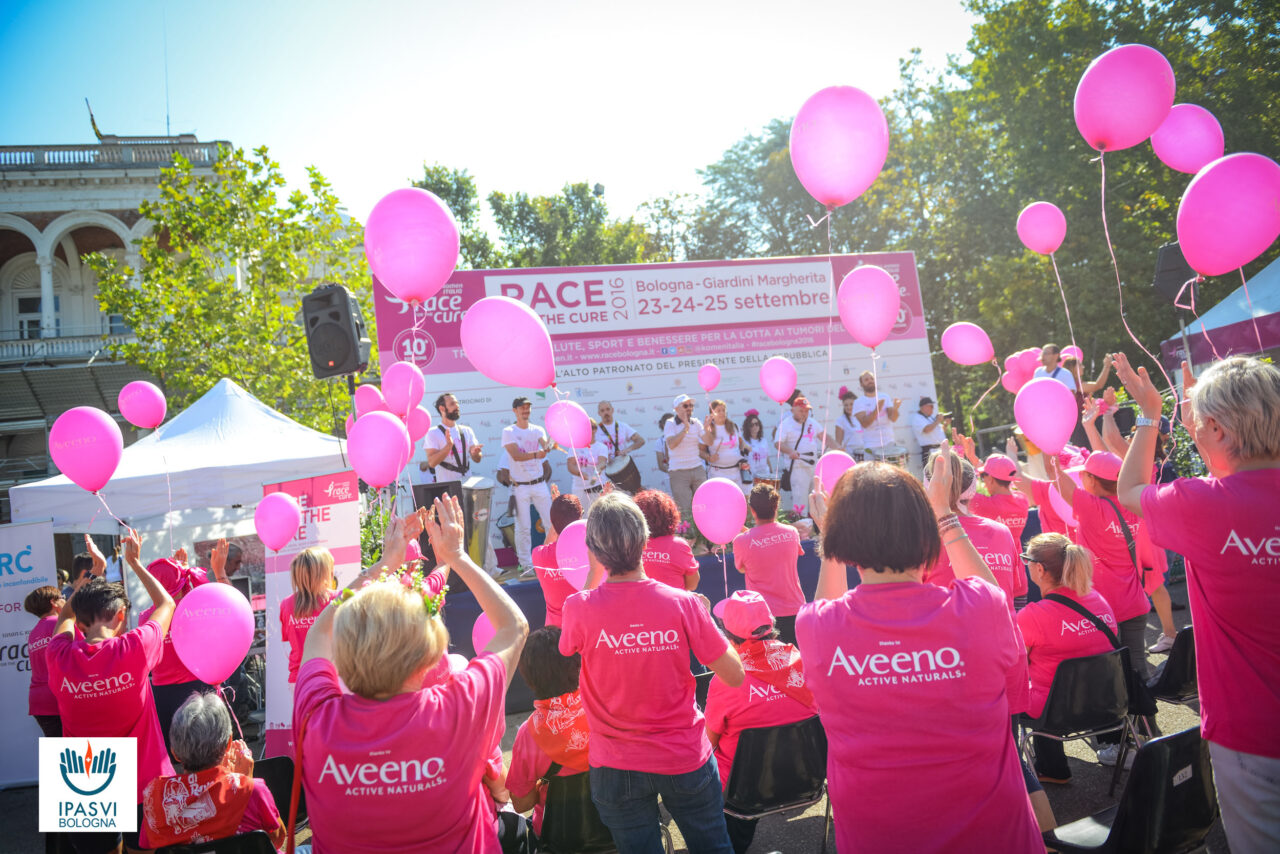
(624, 474)
(892, 454)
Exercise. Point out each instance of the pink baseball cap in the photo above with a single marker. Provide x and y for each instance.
(745, 612)
(1101, 464)
(1000, 467)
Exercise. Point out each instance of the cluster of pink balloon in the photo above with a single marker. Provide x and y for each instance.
(1019, 368)
(86, 443)
(387, 421)
(1046, 411)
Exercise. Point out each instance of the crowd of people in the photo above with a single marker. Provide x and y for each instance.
(920, 674)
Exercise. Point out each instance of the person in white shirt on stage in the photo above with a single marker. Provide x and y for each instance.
(685, 468)
(527, 446)
(929, 427)
(451, 447)
(759, 451)
(587, 466)
(1049, 355)
(617, 437)
(723, 442)
(848, 430)
(876, 413)
(801, 439)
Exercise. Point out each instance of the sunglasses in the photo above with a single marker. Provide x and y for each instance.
(1028, 559)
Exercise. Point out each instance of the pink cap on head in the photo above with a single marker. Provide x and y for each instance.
(745, 612)
(1101, 464)
(999, 466)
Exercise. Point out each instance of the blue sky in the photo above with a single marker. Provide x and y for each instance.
(527, 96)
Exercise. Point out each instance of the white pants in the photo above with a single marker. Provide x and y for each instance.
(1249, 796)
(540, 496)
(587, 498)
(801, 484)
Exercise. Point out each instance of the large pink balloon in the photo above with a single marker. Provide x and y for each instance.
(411, 241)
(369, 399)
(481, 633)
(86, 445)
(869, 303)
(571, 546)
(830, 467)
(967, 344)
(1123, 97)
(212, 629)
(719, 509)
(1011, 382)
(569, 424)
(379, 448)
(142, 404)
(1230, 213)
(778, 378)
(418, 423)
(1189, 139)
(1028, 361)
(708, 377)
(1042, 227)
(402, 387)
(277, 520)
(839, 142)
(508, 343)
(1046, 411)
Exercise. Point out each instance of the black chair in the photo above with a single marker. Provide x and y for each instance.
(255, 842)
(277, 774)
(702, 684)
(1168, 806)
(1175, 681)
(1088, 697)
(570, 822)
(779, 768)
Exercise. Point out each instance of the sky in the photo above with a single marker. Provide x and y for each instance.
(525, 96)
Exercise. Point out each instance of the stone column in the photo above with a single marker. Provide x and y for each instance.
(48, 314)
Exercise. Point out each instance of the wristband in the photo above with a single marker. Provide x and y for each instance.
(955, 539)
(1144, 421)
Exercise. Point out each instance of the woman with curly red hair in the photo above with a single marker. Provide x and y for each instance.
(667, 558)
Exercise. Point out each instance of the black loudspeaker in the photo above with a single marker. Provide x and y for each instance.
(1172, 272)
(337, 337)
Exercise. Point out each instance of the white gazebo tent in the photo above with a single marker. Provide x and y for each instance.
(1242, 324)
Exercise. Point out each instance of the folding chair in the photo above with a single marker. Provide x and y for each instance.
(1168, 806)
(255, 842)
(277, 774)
(570, 822)
(1175, 681)
(779, 768)
(1088, 697)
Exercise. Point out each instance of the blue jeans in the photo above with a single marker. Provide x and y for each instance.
(628, 804)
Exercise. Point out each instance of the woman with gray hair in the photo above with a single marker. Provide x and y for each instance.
(1225, 525)
(647, 734)
(217, 797)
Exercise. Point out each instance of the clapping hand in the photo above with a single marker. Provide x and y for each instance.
(939, 486)
(218, 557)
(180, 555)
(1089, 411)
(99, 562)
(132, 544)
(445, 529)
(818, 502)
(1139, 386)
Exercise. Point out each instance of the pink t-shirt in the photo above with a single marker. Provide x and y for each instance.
(404, 773)
(259, 814)
(669, 559)
(999, 551)
(1114, 575)
(768, 554)
(1227, 531)
(1009, 510)
(555, 589)
(754, 703)
(635, 638)
(1050, 521)
(914, 702)
(171, 670)
(293, 629)
(1054, 632)
(528, 764)
(40, 699)
(103, 690)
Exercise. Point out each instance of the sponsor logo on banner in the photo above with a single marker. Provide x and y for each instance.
(16, 562)
(338, 490)
(88, 784)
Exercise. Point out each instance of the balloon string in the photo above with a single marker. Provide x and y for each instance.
(831, 301)
(777, 468)
(875, 378)
(1252, 316)
(122, 522)
(234, 717)
(1205, 333)
(1070, 328)
(724, 570)
(168, 487)
(974, 411)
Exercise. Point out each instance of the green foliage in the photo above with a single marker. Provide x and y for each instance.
(458, 190)
(222, 274)
(373, 527)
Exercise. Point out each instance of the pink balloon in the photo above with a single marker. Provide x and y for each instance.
(369, 399)
(86, 445)
(1028, 361)
(1123, 97)
(577, 578)
(1189, 139)
(419, 423)
(212, 629)
(569, 424)
(830, 467)
(839, 142)
(379, 448)
(967, 344)
(481, 633)
(412, 551)
(778, 378)
(1072, 351)
(869, 303)
(1230, 213)
(1042, 227)
(142, 404)
(351, 422)
(402, 387)
(1046, 411)
(708, 377)
(719, 509)
(571, 546)
(412, 241)
(508, 343)
(277, 520)
(1011, 382)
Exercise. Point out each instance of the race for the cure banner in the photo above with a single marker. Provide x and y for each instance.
(330, 520)
(26, 562)
(636, 335)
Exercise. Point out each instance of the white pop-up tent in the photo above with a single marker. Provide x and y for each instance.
(1242, 324)
(205, 466)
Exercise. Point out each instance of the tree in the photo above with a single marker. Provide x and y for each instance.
(458, 190)
(222, 274)
(567, 230)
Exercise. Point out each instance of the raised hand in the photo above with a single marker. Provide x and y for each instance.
(818, 502)
(99, 562)
(1139, 386)
(446, 530)
(181, 555)
(218, 557)
(939, 487)
(132, 544)
(1089, 412)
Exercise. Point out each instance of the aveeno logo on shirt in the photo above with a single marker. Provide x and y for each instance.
(98, 687)
(1001, 560)
(900, 668)
(1083, 626)
(645, 640)
(764, 692)
(774, 539)
(390, 777)
(1264, 551)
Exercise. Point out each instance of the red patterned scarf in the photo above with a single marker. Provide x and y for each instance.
(200, 807)
(778, 664)
(559, 728)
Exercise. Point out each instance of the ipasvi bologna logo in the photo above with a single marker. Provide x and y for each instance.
(93, 772)
(88, 784)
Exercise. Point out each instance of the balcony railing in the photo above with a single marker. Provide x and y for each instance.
(113, 153)
(61, 348)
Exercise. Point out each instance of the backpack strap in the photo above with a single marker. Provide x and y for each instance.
(1128, 534)
(551, 772)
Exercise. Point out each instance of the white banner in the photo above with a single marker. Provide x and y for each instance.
(26, 562)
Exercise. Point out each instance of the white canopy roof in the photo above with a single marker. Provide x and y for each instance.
(217, 453)
(1264, 292)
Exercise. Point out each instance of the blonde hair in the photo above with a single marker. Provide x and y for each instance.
(312, 575)
(1243, 395)
(383, 635)
(962, 476)
(1067, 564)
